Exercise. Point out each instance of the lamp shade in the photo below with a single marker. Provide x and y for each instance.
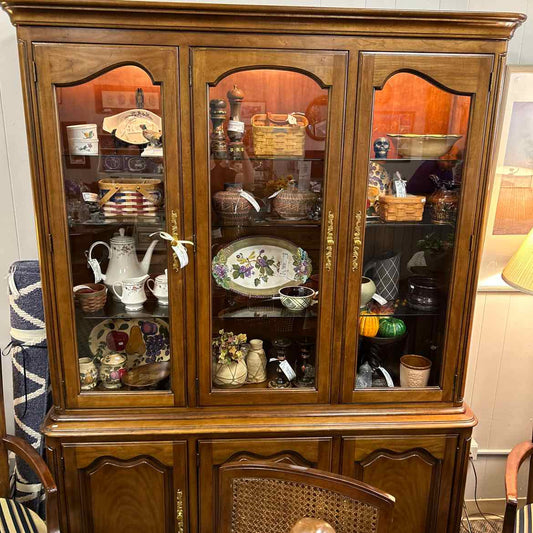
(518, 272)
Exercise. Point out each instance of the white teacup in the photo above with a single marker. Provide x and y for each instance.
(159, 288)
(131, 293)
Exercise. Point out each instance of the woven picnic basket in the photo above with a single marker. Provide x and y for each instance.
(275, 136)
(130, 196)
(394, 209)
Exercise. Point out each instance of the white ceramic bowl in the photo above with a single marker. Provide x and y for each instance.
(80, 147)
(422, 146)
(83, 132)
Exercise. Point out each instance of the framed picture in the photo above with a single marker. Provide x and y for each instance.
(249, 109)
(112, 99)
(510, 212)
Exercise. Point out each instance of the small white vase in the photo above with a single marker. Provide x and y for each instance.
(230, 375)
(368, 289)
(256, 362)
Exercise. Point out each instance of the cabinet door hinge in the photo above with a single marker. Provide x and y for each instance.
(190, 75)
(455, 383)
(62, 461)
(197, 388)
(197, 459)
(471, 243)
(490, 81)
(34, 65)
(51, 243)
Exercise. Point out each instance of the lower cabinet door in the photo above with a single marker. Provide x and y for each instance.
(311, 452)
(417, 470)
(125, 487)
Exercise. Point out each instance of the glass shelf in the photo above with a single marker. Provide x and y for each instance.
(404, 311)
(410, 159)
(158, 222)
(266, 309)
(273, 223)
(116, 310)
(272, 158)
(425, 222)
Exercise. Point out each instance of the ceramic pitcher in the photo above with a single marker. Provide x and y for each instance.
(386, 274)
(131, 292)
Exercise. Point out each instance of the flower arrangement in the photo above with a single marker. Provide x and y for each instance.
(229, 347)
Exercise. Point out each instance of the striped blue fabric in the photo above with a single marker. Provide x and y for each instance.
(524, 520)
(15, 518)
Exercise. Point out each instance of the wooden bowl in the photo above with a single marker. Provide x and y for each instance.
(146, 376)
(423, 146)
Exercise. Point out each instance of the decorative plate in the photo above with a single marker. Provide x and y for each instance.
(128, 125)
(142, 341)
(260, 266)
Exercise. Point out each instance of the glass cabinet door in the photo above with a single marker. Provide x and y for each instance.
(268, 132)
(416, 191)
(110, 142)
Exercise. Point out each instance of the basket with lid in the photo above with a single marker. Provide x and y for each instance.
(278, 135)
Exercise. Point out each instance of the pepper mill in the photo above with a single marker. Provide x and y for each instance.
(235, 125)
(217, 114)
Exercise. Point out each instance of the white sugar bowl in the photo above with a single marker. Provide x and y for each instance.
(159, 288)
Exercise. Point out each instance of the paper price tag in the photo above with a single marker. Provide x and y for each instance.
(89, 196)
(379, 299)
(251, 199)
(97, 271)
(236, 125)
(291, 119)
(387, 376)
(287, 370)
(274, 194)
(181, 254)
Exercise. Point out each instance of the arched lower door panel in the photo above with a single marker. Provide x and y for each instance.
(417, 471)
(124, 487)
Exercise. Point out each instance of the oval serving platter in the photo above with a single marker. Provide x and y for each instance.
(260, 266)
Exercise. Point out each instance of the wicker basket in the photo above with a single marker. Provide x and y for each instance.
(393, 209)
(126, 197)
(274, 137)
(91, 297)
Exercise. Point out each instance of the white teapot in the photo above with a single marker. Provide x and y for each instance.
(123, 262)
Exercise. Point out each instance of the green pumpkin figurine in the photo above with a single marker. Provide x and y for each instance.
(391, 327)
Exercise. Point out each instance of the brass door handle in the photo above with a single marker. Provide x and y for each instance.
(330, 241)
(356, 242)
(179, 511)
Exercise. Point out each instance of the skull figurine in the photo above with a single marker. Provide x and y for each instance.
(381, 147)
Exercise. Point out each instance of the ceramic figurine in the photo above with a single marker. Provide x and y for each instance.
(88, 373)
(381, 147)
(112, 368)
(256, 362)
(123, 262)
(217, 114)
(368, 289)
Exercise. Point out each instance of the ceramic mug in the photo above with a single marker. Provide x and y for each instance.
(414, 371)
(132, 293)
(159, 288)
(88, 373)
(82, 132)
(296, 298)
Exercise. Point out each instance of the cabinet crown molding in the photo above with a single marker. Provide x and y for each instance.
(250, 18)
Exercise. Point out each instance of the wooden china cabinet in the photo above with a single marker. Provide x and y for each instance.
(270, 139)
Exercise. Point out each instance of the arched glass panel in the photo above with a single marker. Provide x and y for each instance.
(419, 135)
(114, 181)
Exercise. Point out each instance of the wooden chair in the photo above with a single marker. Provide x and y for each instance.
(14, 517)
(518, 520)
(272, 497)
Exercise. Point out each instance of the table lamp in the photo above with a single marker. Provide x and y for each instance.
(518, 272)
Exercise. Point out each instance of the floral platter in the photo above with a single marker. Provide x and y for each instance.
(260, 266)
(142, 341)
